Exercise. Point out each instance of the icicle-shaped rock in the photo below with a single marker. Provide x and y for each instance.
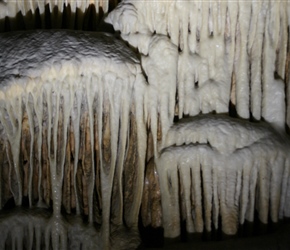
(236, 166)
(217, 41)
(79, 100)
(11, 8)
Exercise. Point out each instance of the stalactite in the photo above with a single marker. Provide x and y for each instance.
(80, 116)
(151, 209)
(221, 179)
(234, 33)
(84, 146)
(80, 15)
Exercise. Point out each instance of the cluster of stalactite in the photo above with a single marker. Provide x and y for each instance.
(230, 56)
(212, 57)
(80, 162)
(29, 182)
(69, 140)
(76, 15)
(96, 140)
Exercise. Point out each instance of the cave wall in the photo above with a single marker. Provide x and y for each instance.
(183, 128)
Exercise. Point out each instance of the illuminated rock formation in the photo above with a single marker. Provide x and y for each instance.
(224, 47)
(69, 122)
(96, 136)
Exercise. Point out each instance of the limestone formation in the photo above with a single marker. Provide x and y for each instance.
(180, 124)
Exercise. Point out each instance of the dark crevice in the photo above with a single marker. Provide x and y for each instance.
(176, 118)
(9, 204)
(232, 110)
(150, 236)
(183, 232)
(204, 234)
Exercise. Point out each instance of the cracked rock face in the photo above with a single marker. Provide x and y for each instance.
(105, 146)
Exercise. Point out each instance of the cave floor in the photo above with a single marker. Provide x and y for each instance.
(278, 240)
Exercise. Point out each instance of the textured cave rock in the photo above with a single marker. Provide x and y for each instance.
(69, 133)
(180, 132)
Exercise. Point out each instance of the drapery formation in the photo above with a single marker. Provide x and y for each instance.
(228, 52)
(92, 129)
(222, 57)
(69, 121)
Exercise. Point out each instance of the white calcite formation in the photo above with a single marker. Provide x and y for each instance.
(85, 124)
(212, 55)
(45, 14)
(228, 166)
(67, 100)
(11, 8)
(224, 47)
